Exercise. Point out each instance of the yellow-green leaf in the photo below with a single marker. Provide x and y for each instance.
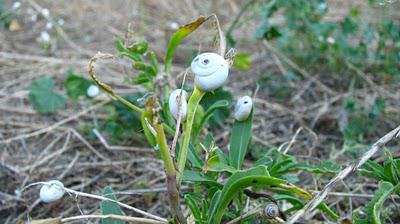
(242, 61)
(177, 37)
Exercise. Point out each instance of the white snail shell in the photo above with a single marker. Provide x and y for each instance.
(271, 211)
(173, 103)
(52, 191)
(210, 71)
(243, 108)
(92, 91)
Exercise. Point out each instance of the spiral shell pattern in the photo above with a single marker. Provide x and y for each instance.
(210, 71)
(271, 211)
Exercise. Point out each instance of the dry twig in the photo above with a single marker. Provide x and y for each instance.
(312, 204)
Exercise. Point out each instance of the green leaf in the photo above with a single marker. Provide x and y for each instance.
(177, 37)
(349, 26)
(204, 209)
(154, 62)
(242, 61)
(76, 85)
(272, 33)
(373, 208)
(196, 177)
(326, 167)
(123, 123)
(191, 203)
(109, 207)
(375, 170)
(266, 160)
(289, 198)
(139, 47)
(220, 104)
(125, 52)
(43, 97)
(142, 78)
(256, 176)
(220, 114)
(194, 158)
(129, 119)
(213, 205)
(215, 163)
(282, 164)
(240, 138)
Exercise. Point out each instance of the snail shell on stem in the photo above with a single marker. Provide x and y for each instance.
(271, 211)
(210, 71)
(174, 105)
(243, 108)
(51, 191)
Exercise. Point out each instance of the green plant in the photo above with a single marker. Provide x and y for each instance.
(357, 121)
(109, 207)
(43, 97)
(388, 174)
(219, 181)
(199, 161)
(5, 16)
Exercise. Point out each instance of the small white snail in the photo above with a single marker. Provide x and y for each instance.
(92, 91)
(173, 103)
(210, 71)
(52, 191)
(271, 211)
(243, 108)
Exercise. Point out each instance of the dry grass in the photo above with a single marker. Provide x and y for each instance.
(42, 147)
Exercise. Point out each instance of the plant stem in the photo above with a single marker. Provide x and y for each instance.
(194, 101)
(165, 154)
(128, 104)
(173, 192)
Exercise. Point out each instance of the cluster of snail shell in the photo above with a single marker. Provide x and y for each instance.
(210, 71)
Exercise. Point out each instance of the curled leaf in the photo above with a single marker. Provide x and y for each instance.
(92, 72)
(105, 87)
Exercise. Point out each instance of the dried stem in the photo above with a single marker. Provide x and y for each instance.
(312, 204)
(83, 194)
(115, 217)
(179, 120)
(106, 87)
(221, 37)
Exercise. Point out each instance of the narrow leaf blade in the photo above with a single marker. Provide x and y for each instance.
(240, 138)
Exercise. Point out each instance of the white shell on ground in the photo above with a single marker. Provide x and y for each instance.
(92, 91)
(210, 71)
(243, 108)
(173, 103)
(52, 191)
